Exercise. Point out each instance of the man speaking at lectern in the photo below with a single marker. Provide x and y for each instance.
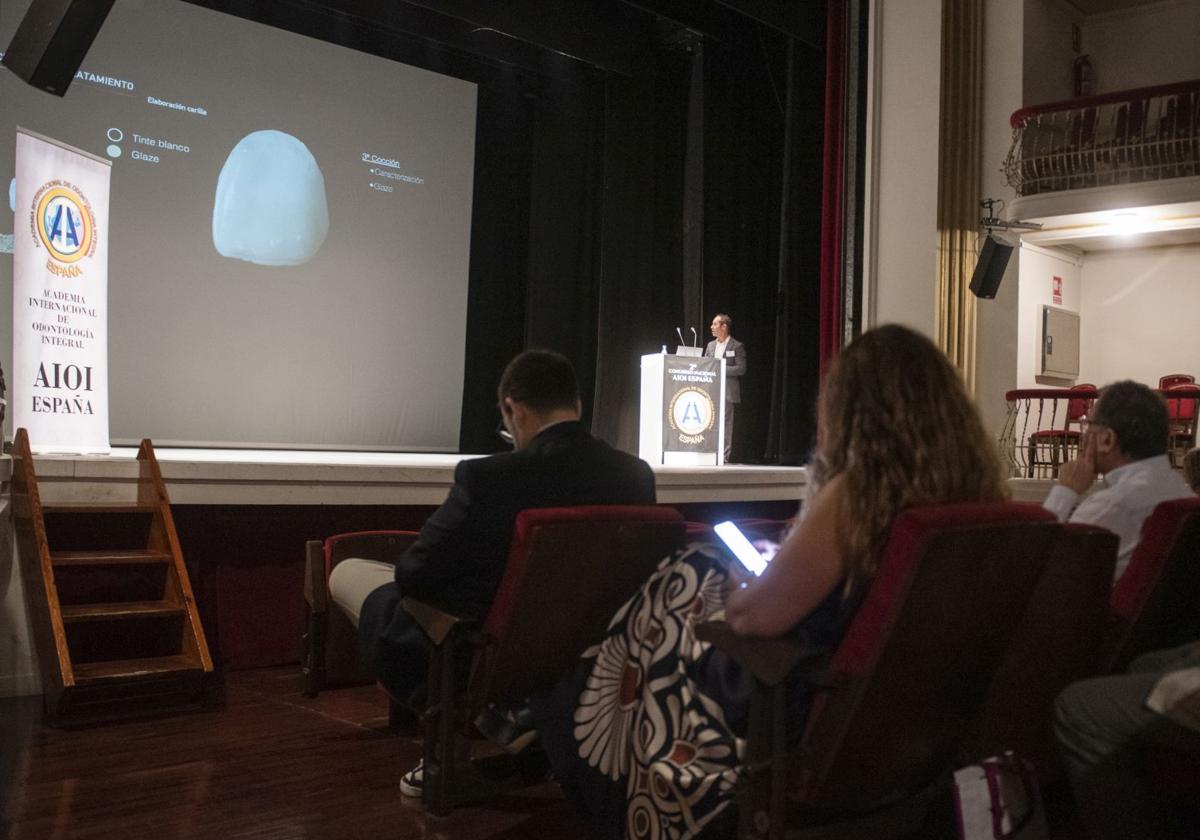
(725, 346)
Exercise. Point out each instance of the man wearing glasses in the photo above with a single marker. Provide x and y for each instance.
(458, 560)
(1126, 442)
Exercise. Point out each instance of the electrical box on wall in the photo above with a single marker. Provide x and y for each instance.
(1060, 343)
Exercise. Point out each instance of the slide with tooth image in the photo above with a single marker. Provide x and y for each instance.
(270, 206)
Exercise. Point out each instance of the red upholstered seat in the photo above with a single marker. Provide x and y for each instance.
(1182, 402)
(1059, 442)
(568, 571)
(1154, 603)
(908, 682)
(384, 546)
(1173, 379)
(330, 642)
(1059, 640)
(576, 557)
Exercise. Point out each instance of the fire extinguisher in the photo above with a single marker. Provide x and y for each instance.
(1083, 76)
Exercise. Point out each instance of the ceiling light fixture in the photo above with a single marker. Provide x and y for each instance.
(1126, 223)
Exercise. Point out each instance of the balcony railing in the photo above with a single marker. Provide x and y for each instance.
(1146, 134)
(1043, 426)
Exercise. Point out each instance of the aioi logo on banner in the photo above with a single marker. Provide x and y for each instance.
(691, 413)
(63, 223)
(692, 388)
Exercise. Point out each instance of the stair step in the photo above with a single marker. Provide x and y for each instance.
(130, 557)
(158, 666)
(119, 611)
(99, 507)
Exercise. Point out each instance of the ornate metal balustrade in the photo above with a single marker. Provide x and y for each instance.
(1043, 426)
(1130, 136)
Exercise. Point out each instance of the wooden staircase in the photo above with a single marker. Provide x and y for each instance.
(115, 624)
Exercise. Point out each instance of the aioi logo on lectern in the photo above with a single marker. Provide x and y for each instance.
(691, 413)
(63, 224)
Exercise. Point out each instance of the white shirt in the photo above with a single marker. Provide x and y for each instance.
(719, 349)
(1177, 695)
(1129, 495)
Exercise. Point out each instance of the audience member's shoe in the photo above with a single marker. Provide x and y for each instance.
(511, 729)
(412, 782)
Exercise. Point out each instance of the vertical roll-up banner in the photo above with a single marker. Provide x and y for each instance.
(60, 297)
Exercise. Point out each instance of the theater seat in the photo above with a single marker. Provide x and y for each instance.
(330, 642)
(1154, 603)
(568, 571)
(1059, 640)
(906, 685)
(1055, 446)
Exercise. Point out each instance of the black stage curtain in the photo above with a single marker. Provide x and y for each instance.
(776, 317)
(641, 296)
(577, 231)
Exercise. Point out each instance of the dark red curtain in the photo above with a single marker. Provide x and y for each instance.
(832, 198)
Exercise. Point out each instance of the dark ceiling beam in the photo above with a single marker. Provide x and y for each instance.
(601, 33)
(615, 36)
(480, 29)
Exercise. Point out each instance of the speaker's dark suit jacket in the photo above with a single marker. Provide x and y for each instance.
(735, 367)
(458, 560)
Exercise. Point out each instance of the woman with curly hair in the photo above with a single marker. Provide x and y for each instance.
(645, 737)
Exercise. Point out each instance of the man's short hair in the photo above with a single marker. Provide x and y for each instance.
(1137, 416)
(541, 379)
(724, 319)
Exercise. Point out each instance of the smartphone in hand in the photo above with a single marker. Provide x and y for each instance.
(750, 557)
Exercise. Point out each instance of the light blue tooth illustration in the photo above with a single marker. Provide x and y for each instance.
(270, 206)
(12, 195)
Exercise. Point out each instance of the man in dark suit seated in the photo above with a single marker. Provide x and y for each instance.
(457, 562)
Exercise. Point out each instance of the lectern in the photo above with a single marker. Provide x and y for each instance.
(682, 417)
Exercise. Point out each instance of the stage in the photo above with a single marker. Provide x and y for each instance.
(297, 477)
(243, 516)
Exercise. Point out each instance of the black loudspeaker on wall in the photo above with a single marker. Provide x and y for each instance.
(52, 40)
(989, 271)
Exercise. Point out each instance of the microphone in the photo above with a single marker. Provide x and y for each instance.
(679, 333)
(694, 336)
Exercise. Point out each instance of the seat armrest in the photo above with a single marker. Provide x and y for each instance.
(316, 587)
(769, 660)
(438, 625)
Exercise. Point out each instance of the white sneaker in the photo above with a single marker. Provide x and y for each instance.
(412, 782)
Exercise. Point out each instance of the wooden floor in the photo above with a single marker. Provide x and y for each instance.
(269, 765)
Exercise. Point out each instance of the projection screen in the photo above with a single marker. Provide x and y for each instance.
(290, 229)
